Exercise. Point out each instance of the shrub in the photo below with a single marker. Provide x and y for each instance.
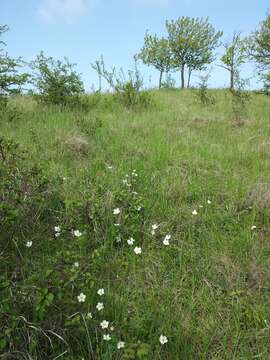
(240, 99)
(127, 88)
(203, 94)
(56, 81)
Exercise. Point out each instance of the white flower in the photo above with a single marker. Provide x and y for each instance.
(104, 324)
(89, 316)
(125, 181)
(29, 244)
(194, 212)
(100, 306)
(139, 208)
(120, 345)
(163, 339)
(155, 226)
(109, 167)
(76, 264)
(130, 241)
(116, 211)
(81, 297)
(209, 201)
(107, 337)
(77, 233)
(166, 240)
(137, 250)
(57, 229)
(57, 234)
(101, 292)
(253, 227)
(201, 206)
(112, 328)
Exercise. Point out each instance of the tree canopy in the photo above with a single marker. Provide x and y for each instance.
(192, 41)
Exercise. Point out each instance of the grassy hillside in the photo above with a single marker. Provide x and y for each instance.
(199, 173)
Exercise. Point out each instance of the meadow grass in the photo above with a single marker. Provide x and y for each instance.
(208, 292)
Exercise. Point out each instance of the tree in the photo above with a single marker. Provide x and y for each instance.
(156, 52)
(259, 45)
(233, 57)
(258, 48)
(55, 80)
(10, 78)
(192, 41)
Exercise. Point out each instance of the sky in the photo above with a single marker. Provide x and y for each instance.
(83, 30)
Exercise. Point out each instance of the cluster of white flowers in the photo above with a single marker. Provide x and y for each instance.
(195, 212)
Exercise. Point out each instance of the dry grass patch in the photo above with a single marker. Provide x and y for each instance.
(77, 145)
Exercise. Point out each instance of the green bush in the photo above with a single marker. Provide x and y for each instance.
(56, 81)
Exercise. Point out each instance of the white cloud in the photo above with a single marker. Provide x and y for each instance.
(67, 10)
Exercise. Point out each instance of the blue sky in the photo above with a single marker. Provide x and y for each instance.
(82, 30)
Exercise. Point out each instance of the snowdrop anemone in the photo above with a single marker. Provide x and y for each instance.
(76, 264)
(209, 202)
(77, 233)
(166, 240)
(57, 229)
(194, 212)
(130, 241)
(100, 306)
(29, 244)
(120, 345)
(104, 324)
(116, 211)
(107, 337)
(163, 339)
(89, 316)
(101, 292)
(81, 297)
(137, 250)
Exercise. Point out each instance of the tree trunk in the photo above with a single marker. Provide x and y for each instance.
(160, 79)
(189, 75)
(182, 76)
(232, 80)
